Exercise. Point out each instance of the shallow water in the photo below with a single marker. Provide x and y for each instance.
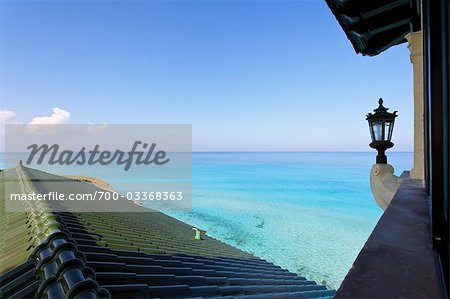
(308, 212)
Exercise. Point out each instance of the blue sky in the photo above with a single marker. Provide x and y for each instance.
(248, 75)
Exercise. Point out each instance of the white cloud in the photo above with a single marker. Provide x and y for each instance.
(59, 116)
(6, 116)
(96, 128)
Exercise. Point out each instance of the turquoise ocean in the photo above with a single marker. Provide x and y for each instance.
(308, 212)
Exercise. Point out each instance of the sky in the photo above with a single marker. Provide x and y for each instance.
(248, 75)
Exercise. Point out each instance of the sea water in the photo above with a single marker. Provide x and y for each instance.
(308, 212)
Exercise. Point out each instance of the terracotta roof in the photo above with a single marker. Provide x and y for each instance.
(126, 254)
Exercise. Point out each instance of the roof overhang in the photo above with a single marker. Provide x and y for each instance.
(373, 26)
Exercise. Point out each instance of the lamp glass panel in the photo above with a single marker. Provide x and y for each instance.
(371, 131)
(391, 129)
(387, 130)
(377, 127)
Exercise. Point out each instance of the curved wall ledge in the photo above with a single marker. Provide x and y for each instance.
(398, 259)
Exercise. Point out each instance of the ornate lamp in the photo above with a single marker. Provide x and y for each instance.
(381, 125)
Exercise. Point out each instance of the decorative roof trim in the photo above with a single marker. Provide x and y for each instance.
(374, 26)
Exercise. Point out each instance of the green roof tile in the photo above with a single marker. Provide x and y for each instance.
(131, 254)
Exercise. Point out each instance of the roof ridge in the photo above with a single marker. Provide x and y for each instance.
(56, 254)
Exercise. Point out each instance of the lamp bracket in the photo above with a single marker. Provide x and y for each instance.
(384, 184)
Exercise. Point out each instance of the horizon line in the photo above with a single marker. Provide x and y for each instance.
(293, 151)
(269, 151)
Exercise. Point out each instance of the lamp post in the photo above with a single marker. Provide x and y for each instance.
(381, 126)
(383, 182)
